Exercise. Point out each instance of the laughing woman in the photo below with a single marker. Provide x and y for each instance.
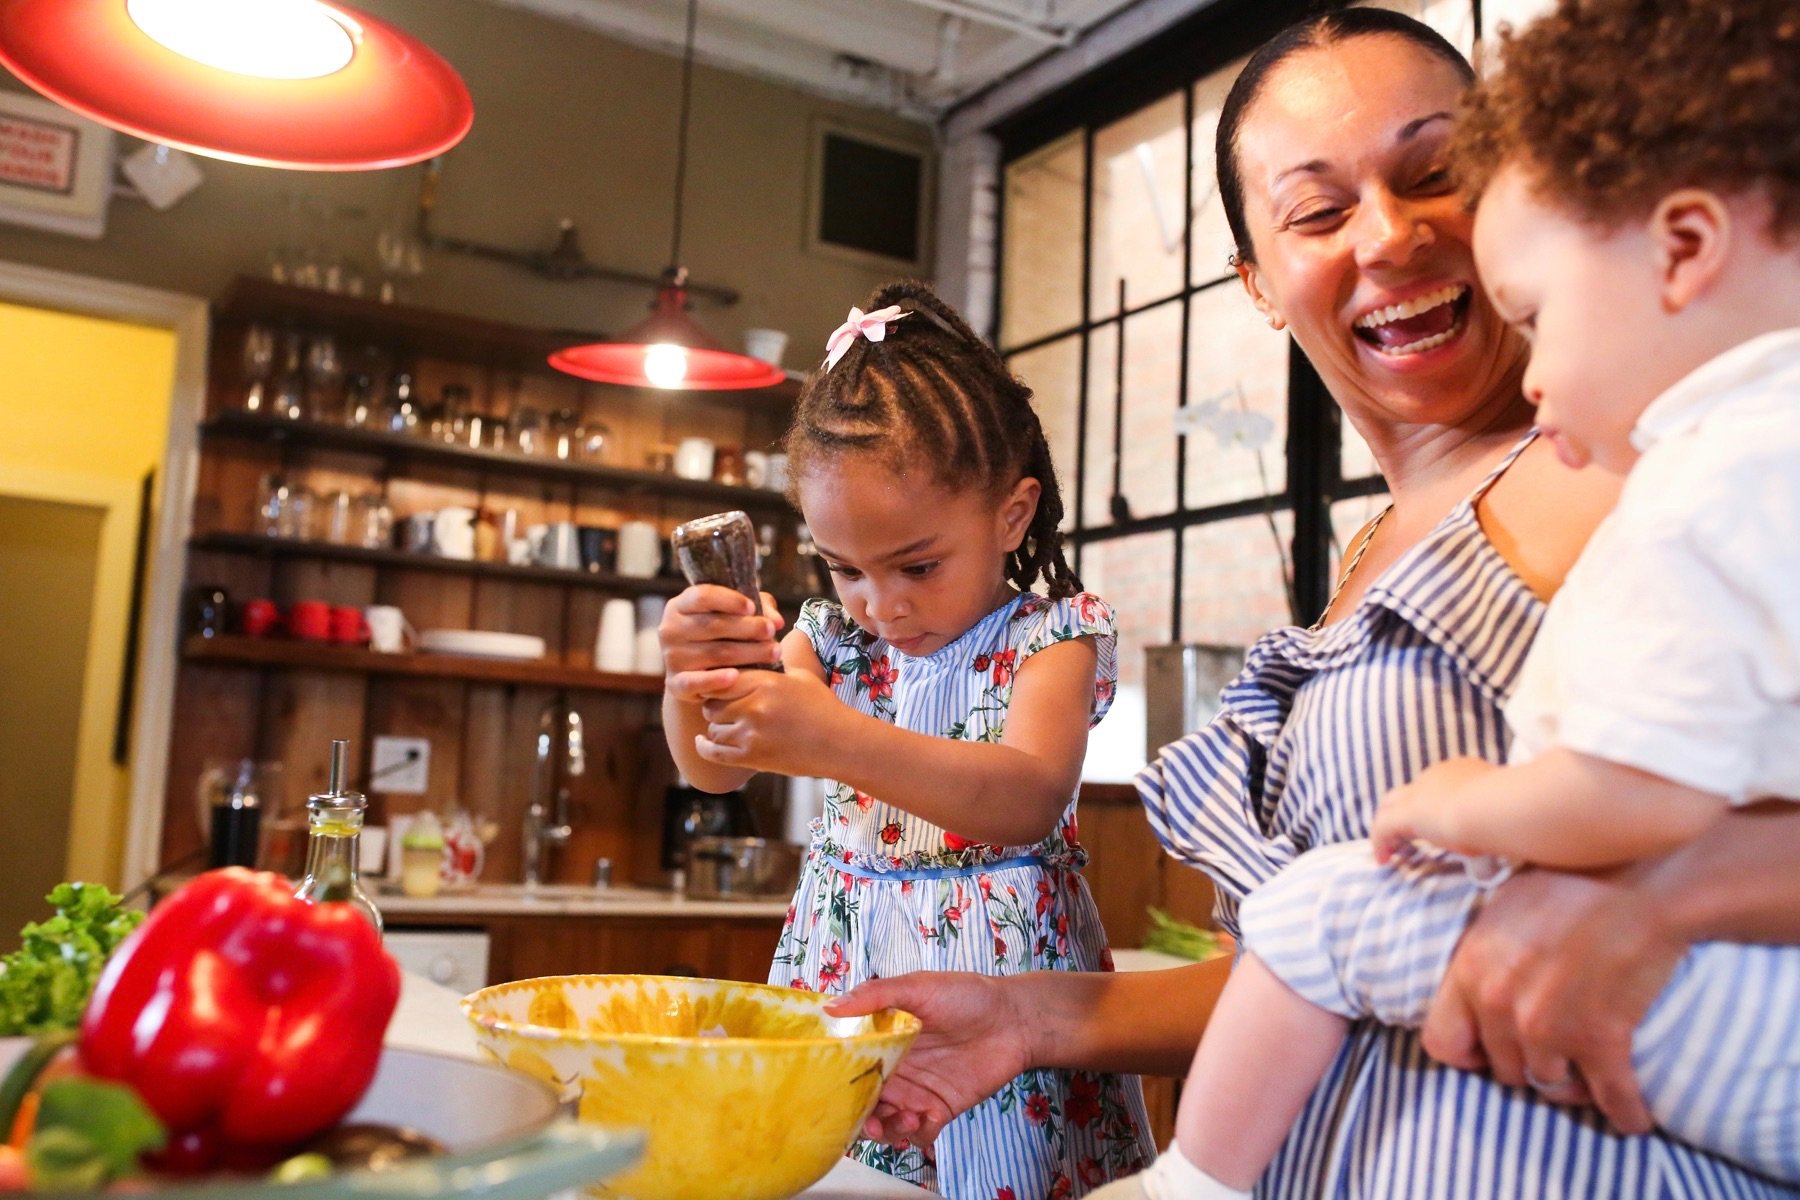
(1352, 236)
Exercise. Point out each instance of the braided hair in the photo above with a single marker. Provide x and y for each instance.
(934, 394)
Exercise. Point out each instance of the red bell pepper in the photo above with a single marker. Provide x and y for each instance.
(247, 1019)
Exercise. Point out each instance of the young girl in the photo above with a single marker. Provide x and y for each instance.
(1643, 240)
(948, 703)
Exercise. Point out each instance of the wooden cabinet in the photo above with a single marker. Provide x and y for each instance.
(279, 699)
(521, 947)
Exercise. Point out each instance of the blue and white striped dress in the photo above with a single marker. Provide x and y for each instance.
(884, 892)
(1319, 725)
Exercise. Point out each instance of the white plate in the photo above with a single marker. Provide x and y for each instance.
(505, 1137)
(480, 643)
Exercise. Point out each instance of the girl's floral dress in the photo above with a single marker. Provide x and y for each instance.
(884, 892)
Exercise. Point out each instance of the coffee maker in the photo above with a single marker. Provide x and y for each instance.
(690, 813)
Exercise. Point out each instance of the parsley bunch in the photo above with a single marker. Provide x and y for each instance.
(45, 983)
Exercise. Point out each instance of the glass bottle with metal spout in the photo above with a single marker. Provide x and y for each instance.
(334, 821)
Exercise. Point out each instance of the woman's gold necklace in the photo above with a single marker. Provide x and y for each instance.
(1362, 548)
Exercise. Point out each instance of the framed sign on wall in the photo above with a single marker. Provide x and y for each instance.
(55, 167)
(869, 198)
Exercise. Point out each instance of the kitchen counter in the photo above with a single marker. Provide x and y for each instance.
(428, 1018)
(490, 900)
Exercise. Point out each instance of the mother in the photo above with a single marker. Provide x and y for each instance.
(1352, 236)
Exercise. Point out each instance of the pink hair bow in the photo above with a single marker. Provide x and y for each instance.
(873, 326)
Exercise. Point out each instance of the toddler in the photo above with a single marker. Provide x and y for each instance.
(1643, 236)
(948, 703)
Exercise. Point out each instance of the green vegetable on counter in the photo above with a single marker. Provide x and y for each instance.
(1170, 935)
(45, 983)
(89, 1132)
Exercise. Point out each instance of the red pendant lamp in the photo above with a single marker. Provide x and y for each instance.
(275, 83)
(668, 349)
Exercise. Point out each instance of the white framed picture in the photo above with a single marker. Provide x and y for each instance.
(55, 167)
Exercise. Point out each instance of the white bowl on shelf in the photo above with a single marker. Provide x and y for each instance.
(481, 643)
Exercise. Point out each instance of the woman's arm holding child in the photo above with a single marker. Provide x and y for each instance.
(1561, 969)
(1562, 809)
(1007, 793)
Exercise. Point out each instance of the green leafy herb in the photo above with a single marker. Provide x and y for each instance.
(1180, 938)
(89, 1132)
(45, 983)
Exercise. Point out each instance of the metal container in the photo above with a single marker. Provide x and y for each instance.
(732, 868)
(1181, 689)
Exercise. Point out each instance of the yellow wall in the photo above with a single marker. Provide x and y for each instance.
(84, 412)
(82, 394)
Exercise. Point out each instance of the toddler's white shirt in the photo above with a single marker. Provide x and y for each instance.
(1674, 644)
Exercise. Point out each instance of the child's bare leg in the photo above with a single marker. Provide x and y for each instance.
(1264, 1052)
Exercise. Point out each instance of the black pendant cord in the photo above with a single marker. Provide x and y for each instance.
(687, 95)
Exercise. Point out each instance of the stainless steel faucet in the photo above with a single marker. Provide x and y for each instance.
(547, 815)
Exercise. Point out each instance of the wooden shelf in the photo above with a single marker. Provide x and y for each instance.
(325, 656)
(275, 547)
(400, 447)
(414, 331)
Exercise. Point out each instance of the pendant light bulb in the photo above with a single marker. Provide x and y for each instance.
(264, 39)
(666, 365)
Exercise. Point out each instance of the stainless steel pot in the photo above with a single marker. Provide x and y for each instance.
(726, 868)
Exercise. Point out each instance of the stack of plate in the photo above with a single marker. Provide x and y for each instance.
(481, 643)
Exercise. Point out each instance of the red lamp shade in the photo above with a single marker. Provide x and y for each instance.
(667, 349)
(393, 102)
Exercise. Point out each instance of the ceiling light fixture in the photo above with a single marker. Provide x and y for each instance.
(277, 83)
(669, 349)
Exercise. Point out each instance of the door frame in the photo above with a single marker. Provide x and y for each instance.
(154, 703)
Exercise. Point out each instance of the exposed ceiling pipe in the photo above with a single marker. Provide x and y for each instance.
(1052, 35)
(943, 71)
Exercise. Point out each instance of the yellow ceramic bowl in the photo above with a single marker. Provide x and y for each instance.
(746, 1091)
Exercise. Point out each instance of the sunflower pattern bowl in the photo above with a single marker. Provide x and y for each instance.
(745, 1090)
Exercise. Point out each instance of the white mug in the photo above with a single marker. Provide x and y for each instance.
(647, 658)
(453, 532)
(756, 468)
(640, 550)
(694, 458)
(766, 344)
(389, 630)
(614, 646)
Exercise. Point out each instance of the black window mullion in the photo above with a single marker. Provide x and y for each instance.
(1181, 378)
(1087, 270)
(1312, 453)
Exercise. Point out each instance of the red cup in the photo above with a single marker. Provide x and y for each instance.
(259, 617)
(347, 625)
(309, 620)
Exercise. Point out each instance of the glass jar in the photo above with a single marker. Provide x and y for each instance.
(334, 821)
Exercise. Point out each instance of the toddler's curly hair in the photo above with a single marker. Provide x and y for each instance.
(1609, 105)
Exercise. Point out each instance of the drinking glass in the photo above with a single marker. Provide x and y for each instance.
(259, 359)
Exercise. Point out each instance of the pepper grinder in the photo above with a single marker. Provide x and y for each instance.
(721, 549)
(334, 821)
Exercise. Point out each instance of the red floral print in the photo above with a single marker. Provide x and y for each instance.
(864, 801)
(1044, 899)
(879, 679)
(833, 968)
(1091, 1173)
(957, 842)
(1061, 1188)
(1037, 1107)
(1003, 666)
(1083, 1104)
(1005, 1193)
